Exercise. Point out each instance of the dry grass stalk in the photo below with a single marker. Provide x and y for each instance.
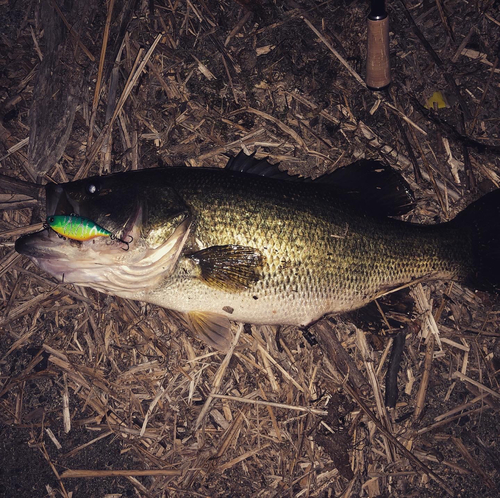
(398, 445)
(74, 451)
(134, 76)
(289, 377)
(45, 454)
(72, 31)
(472, 462)
(100, 70)
(353, 73)
(338, 355)
(424, 383)
(448, 420)
(71, 473)
(482, 387)
(460, 408)
(314, 411)
(367, 355)
(286, 129)
(218, 377)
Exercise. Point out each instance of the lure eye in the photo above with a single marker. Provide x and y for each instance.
(92, 188)
(51, 219)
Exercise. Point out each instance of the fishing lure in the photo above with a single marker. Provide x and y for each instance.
(79, 228)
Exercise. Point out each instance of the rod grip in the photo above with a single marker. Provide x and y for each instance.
(378, 66)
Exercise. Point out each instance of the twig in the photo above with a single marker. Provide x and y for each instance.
(391, 378)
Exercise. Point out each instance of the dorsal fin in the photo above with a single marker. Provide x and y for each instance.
(260, 167)
(370, 184)
(373, 185)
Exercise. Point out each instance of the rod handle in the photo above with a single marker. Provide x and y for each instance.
(378, 65)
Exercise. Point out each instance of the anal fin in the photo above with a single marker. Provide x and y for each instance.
(212, 329)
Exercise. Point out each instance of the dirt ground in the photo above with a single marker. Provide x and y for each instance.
(100, 396)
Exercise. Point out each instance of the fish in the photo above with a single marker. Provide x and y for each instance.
(251, 243)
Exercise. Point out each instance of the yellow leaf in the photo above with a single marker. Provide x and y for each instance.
(436, 98)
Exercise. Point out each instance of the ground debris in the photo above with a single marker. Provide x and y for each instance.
(100, 396)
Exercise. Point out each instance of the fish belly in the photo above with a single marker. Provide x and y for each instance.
(256, 305)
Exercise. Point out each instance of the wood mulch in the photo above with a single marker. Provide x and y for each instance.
(100, 396)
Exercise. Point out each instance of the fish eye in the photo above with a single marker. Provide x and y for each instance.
(51, 219)
(92, 188)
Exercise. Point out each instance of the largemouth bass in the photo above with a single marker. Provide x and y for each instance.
(249, 244)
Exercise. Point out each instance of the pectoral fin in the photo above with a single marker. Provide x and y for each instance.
(214, 330)
(229, 268)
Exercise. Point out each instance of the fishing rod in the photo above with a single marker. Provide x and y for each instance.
(378, 67)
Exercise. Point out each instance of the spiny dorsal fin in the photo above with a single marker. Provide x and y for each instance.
(260, 167)
(212, 329)
(229, 268)
(371, 184)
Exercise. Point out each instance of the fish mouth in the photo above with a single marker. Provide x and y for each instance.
(39, 245)
(67, 260)
(72, 260)
(103, 264)
(58, 202)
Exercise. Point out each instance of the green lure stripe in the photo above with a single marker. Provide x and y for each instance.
(76, 227)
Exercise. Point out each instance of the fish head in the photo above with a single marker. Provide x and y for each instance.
(110, 202)
(148, 222)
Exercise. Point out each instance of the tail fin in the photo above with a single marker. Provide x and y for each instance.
(481, 222)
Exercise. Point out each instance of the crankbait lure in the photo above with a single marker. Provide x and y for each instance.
(79, 228)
